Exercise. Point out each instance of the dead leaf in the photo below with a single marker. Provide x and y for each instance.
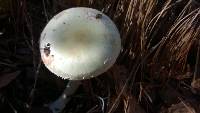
(6, 78)
(181, 107)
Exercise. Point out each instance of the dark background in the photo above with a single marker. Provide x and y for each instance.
(158, 69)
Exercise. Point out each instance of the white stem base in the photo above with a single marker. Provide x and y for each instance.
(58, 105)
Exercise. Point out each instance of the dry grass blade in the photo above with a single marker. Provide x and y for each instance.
(179, 40)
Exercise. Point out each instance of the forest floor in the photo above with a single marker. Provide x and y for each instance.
(158, 70)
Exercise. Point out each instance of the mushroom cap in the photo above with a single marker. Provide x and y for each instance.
(79, 43)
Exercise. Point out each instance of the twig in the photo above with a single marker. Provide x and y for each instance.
(93, 108)
(34, 86)
(12, 107)
(45, 10)
(197, 62)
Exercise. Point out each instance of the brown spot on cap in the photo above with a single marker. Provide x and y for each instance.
(98, 16)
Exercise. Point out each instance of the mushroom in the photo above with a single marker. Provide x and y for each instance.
(78, 43)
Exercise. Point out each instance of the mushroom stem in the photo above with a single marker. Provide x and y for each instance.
(58, 105)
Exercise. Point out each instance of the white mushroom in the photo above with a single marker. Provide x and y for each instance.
(78, 43)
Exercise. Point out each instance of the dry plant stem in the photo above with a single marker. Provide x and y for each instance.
(45, 10)
(196, 77)
(197, 62)
(58, 105)
(34, 86)
(131, 76)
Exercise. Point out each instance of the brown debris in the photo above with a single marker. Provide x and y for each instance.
(157, 64)
(180, 108)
